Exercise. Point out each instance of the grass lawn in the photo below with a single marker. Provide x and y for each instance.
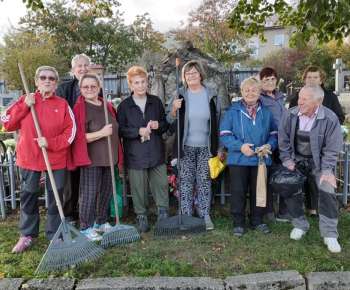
(218, 254)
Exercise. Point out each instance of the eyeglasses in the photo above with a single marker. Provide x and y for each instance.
(269, 81)
(191, 74)
(92, 87)
(44, 78)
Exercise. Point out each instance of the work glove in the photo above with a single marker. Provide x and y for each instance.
(263, 151)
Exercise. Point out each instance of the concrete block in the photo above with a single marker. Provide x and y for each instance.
(328, 280)
(153, 283)
(291, 280)
(50, 284)
(11, 283)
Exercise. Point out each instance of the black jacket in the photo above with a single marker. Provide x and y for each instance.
(330, 101)
(66, 90)
(151, 153)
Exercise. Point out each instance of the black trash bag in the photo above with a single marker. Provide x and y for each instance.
(286, 182)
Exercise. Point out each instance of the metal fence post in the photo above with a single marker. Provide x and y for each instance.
(346, 177)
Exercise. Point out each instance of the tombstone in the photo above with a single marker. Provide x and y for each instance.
(292, 89)
(342, 77)
(164, 80)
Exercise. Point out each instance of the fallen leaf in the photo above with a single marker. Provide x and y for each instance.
(2, 275)
(142, 242)
(216, 249)
(183, 238)
(157, 274)
(144, 249)
(205, 262)
(24, 286)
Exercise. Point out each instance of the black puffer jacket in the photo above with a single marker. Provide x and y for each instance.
(138, 155)
(330, 101)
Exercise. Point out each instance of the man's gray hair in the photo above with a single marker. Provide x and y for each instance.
(79, 56)
(318, 92)
(46, 67)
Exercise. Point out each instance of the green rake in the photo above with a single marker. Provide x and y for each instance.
(64, 251)
(119, 234)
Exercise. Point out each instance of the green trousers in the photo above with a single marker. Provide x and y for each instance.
(158, 180)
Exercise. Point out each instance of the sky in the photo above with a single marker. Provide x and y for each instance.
(164, 14)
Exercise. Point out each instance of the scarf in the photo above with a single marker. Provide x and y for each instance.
(251, 109)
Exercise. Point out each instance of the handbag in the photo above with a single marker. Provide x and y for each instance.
(216, 166)
(261, 184)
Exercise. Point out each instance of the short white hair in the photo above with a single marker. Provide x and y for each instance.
(79, 56)
(317, 91)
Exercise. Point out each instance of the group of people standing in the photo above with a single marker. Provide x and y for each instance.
(72, 119)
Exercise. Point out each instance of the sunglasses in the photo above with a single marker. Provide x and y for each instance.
(44, 78)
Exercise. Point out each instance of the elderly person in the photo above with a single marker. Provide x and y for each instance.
(273, 99)
(312, 132)
(57, 126)
(200, 113)
(142, 122)
(247, 127)
(70, 91)
(316, 75)
(89, 152)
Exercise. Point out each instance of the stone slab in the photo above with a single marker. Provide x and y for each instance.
(50, 284)
(328, 280)
(153, 283)
(11, 283)
(291, 280)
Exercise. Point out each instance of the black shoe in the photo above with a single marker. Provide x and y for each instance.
(262, 228)
(238, 231)
(143, 224)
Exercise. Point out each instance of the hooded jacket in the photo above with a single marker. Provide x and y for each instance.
(57, 124)
(238, 128)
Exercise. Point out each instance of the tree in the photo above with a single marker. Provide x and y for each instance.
(30, 49)
(207, 28)
(319, 20)
(108, 41)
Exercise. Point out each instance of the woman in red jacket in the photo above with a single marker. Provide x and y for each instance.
(90, 152)
(57, 126)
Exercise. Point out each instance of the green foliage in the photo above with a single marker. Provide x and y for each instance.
(10, 143)
(79, 28)
(320, 20)
(32, 49)
(207, 28)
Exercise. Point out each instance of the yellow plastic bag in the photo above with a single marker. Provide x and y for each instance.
(216, 166)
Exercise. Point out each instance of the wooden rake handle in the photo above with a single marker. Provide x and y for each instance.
(53, 183)
(110, 150)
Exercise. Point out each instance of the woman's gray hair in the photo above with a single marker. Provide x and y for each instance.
(252, 81)
(318, 92)
(46, 67)
(190, 65)
(89, 76)
(79, 56)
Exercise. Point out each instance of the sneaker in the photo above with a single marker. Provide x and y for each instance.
(296, 234)
(332, 245)
(238, 231)
(22, 244)
(102, 228)
(162, 214)
(92, 235)
(270, 217)
(284, 217)
(208, 223)
(143, 223)
(262, 228)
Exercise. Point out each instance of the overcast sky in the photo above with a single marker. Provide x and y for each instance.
(164, 14)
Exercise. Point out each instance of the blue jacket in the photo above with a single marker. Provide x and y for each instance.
(238, 128)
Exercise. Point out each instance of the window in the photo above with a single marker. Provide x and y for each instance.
(254, 48)
(279, 39)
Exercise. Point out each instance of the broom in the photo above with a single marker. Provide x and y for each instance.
(67, 251)
(119, 234)
(181, 225)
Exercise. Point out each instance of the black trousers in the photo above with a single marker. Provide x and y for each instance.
(71, 195)
(240, 178)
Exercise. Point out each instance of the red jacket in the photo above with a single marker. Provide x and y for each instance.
(56, 121)
(78, 155)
